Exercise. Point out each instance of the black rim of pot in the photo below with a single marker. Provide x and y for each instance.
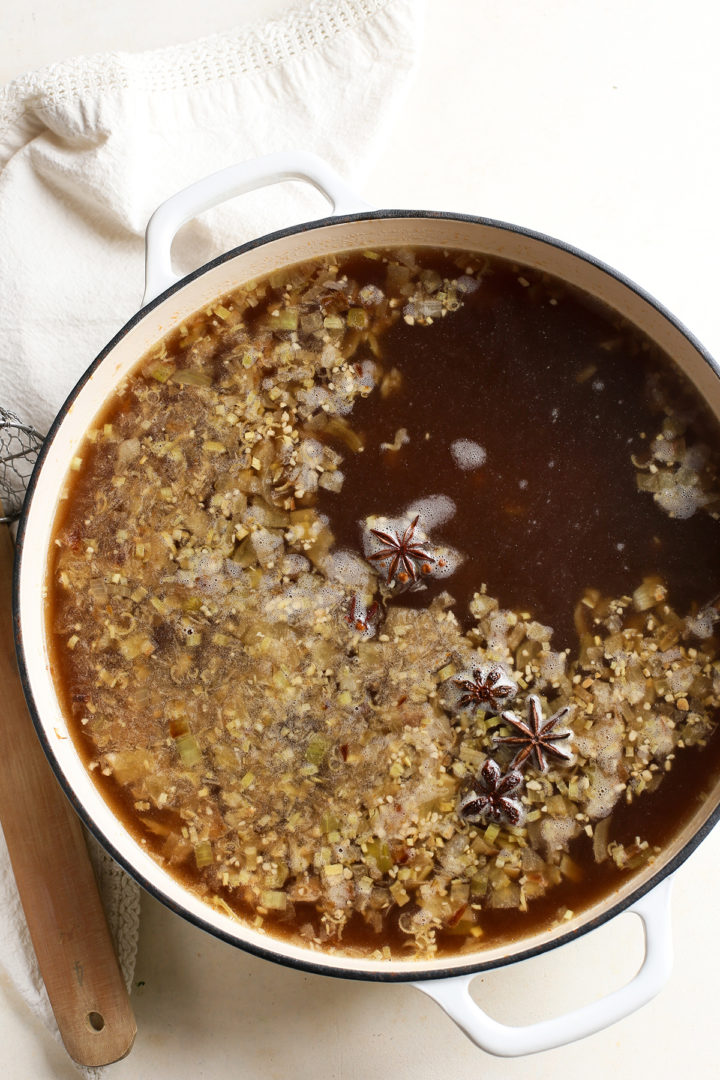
(395, 972)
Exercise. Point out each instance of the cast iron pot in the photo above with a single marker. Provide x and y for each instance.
(166, 304)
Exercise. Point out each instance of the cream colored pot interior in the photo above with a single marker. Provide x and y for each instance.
(121, 359)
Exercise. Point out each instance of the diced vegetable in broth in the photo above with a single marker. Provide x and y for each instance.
(383, 602)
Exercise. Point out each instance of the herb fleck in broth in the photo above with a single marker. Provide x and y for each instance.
(314, 551)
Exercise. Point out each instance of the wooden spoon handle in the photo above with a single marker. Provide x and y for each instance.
(54, 876)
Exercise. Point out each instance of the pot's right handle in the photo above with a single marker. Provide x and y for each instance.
(225, 184)
(453, 995)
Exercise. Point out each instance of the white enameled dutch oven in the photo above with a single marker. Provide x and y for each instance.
(167, 303)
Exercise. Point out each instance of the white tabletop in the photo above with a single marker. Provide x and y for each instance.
(595, 122)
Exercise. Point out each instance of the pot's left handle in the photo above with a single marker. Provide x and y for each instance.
(453, 995)
(225, 184)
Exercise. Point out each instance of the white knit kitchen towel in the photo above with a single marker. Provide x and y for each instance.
(89, 148)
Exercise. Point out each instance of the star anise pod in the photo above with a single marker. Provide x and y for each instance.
(536, 739)
(486, 688)
(403, 554)
(490, 797)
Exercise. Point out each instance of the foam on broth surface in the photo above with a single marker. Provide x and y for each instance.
(320, 510)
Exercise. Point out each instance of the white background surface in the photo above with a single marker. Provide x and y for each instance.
(596, 122)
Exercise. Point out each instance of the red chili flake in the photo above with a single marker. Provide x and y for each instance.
(74, 538)
(344, 751)
(355, 619)
(402, 700)
(457, 916)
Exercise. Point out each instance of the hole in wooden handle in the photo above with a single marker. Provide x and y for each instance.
(96, 1021)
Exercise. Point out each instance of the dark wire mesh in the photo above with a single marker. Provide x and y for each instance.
(19, 448)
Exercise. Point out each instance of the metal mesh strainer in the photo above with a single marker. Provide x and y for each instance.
(19, 448)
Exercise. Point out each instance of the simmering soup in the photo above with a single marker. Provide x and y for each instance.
(382, 602)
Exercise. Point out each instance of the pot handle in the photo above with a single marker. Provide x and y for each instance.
(225, 184)
(453, 995)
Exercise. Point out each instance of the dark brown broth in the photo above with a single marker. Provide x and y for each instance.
(554, 510)
(503, 371)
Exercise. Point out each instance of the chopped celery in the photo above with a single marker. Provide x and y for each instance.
(203, 854)
(316, 750)
(192, 377)
(357, 318)
(285, 319)
(273, 899)
(188, 749)
(161, 373)
(380, 852)
(329, 822)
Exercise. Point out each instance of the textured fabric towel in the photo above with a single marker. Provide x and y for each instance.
(89, 148)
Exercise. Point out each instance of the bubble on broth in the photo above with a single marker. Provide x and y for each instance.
(291, 565)
(680, 501)
(434, 510)
(468, 454)
(208, 573)
(347, 568)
